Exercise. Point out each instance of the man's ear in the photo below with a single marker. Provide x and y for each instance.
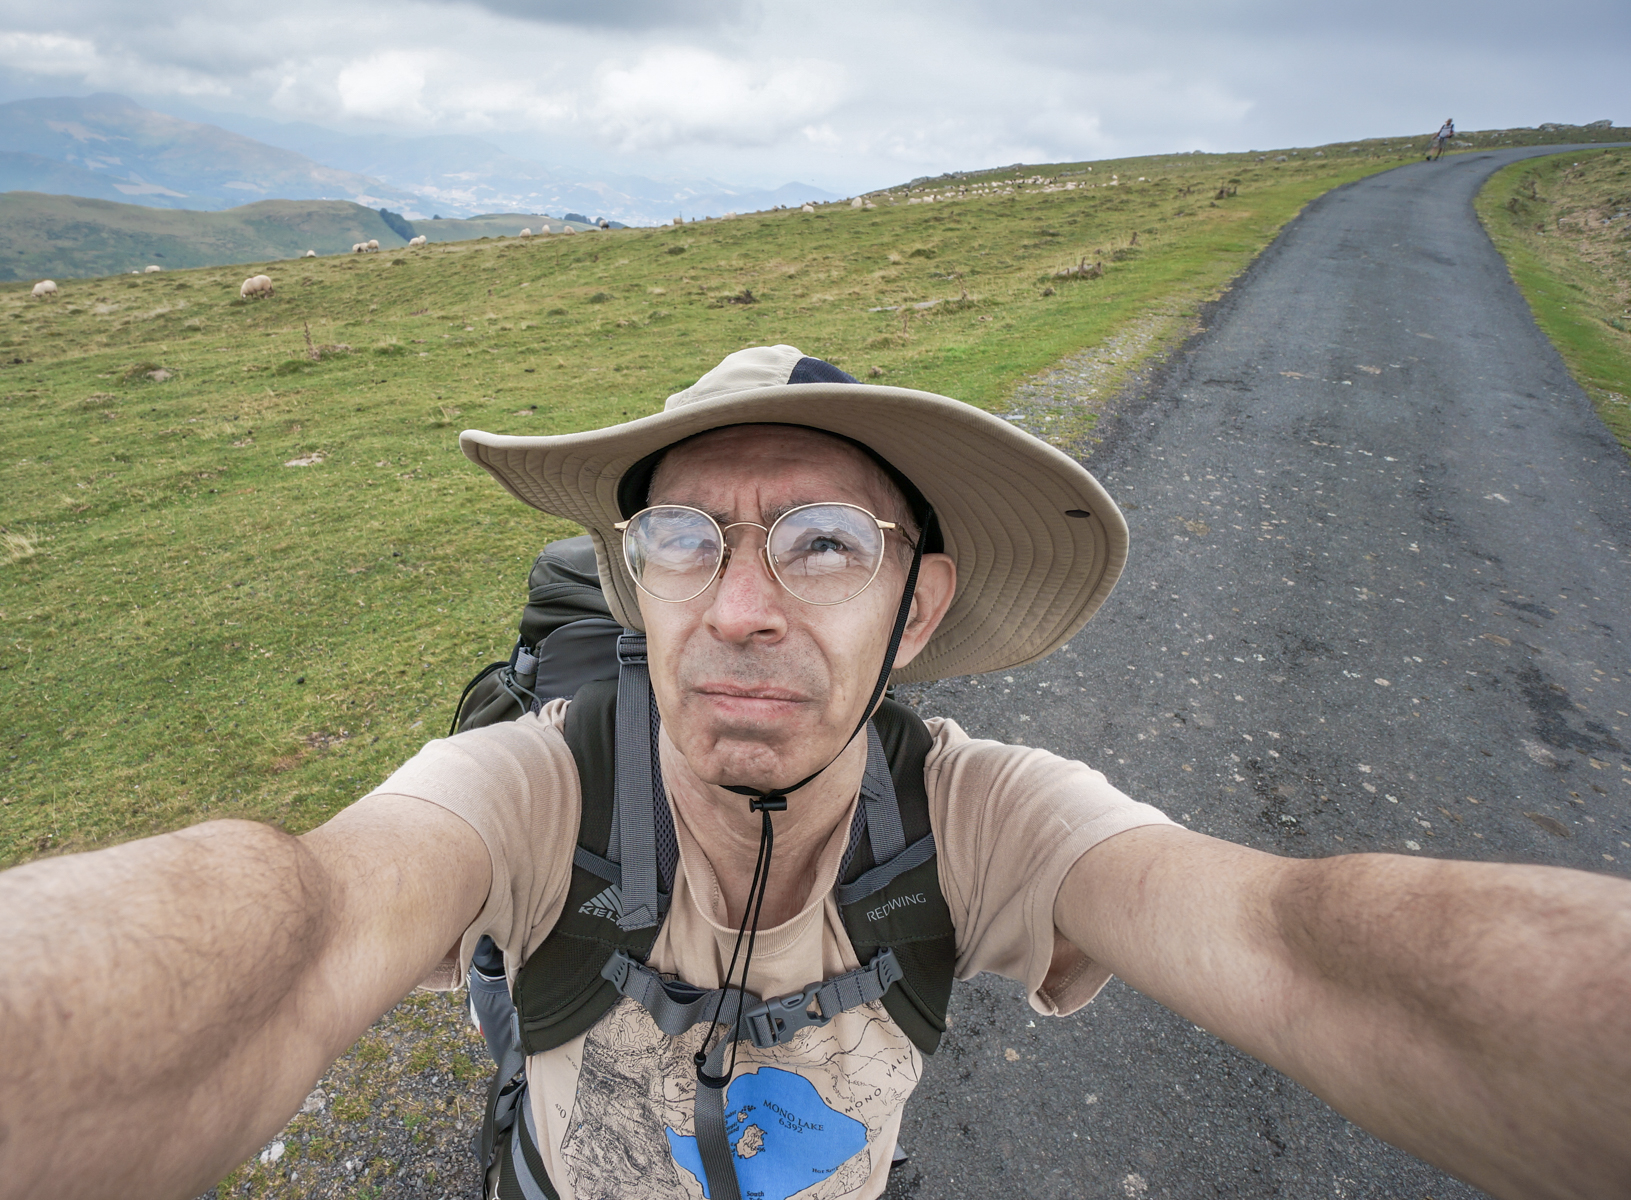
(936, 585)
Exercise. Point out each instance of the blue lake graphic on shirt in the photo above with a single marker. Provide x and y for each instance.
(783, 1136)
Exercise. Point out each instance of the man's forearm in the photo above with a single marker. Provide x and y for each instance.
(137, 982)
(1476, 1014)
(166, 1005)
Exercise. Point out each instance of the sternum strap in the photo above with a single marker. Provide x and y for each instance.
(676, 1006)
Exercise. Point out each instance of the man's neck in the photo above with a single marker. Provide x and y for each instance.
(728, 830)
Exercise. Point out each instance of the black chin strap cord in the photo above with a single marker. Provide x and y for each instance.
(775, 800)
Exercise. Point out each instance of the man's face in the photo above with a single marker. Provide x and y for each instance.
(754, 686)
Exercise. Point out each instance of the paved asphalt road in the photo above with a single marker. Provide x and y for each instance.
(1381, 559)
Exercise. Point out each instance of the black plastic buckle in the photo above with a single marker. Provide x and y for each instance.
(776, 1020)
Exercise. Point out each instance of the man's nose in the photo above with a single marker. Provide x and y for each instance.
(748, 601)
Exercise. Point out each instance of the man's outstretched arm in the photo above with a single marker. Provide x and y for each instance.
(167, 1004)
(1477, 1015)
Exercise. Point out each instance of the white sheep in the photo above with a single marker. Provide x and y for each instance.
(358, 247)
(526, 233)
(45, 289)
(808, 208)
(417, 241)
(255, 285)
(309, 254)
(150, 268)
(373, 243)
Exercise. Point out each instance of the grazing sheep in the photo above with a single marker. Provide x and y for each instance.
(150, 268)
(857, 202)
(417, 241)
(309, 254)
(358, 247)
(526, 233)
(45, 289)
(808, 208)
(373, 243)
(254, 286)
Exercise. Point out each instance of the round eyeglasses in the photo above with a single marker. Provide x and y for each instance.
(821, 553)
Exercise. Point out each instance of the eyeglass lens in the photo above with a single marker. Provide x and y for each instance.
(821, 553)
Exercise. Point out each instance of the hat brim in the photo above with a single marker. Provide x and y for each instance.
(1038, 543)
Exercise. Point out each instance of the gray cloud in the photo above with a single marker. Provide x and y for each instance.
(621, 14)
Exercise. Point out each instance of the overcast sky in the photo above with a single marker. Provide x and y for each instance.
(845, 94)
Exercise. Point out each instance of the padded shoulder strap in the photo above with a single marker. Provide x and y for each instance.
(898, 904)
(591, 735)
(560, 991)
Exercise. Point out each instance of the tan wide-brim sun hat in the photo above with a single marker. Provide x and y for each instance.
(1037, 541)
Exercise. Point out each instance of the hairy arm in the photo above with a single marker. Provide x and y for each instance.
(166, 1005)
(1477, 1015)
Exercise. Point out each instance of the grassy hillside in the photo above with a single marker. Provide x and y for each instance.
(246, 569)
(62, 237)
(1564, 225)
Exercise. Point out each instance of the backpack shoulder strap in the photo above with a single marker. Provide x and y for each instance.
(889, 892)
(560, 990)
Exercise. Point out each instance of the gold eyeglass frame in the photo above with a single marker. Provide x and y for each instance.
(764, 550)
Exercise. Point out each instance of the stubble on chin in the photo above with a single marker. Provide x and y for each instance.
(734, 747)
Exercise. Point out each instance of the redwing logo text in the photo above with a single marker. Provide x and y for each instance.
(889, 906)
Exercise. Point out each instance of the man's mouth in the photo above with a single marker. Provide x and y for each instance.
(739, 691)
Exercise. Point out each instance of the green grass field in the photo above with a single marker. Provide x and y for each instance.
(195, 626)
(1564, 226)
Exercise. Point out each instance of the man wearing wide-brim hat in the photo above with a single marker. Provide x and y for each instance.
(789, 541)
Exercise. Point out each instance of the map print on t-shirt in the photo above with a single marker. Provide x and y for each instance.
(783, 1137)
(631, 1129)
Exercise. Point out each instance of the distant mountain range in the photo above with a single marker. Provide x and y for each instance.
(62, 237)
(71, 237)
(111, 148)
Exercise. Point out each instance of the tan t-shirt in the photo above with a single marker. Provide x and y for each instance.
(817, 1117)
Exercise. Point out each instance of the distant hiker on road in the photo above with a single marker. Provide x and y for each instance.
(1441, 139)
(731, 886)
